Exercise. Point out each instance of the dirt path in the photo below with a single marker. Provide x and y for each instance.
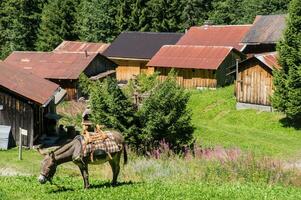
(11, 172)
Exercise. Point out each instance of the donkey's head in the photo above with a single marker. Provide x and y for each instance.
(48, 168)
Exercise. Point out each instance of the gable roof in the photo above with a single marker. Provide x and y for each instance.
(140, 45)
(215, 35)
(191, 57)
(76, 46)
(267, 29)
(27, 85)
(51, 65)
(269, 59)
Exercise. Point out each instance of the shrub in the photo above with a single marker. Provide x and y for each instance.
(164, 116)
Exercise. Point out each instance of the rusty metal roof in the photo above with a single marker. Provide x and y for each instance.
(192, 57)
(215, 35)
(269, 59)
(76, 46)
(266, 29)
(140, 45)
(51, 65)
(27, 85)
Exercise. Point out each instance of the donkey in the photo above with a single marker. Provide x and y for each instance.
(72, 151)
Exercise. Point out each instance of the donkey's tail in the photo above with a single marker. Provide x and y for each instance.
(125, 155)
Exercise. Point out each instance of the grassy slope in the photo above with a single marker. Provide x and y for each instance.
(217, 122)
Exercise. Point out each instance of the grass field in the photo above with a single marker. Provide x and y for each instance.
(255, 174)
(218, 122)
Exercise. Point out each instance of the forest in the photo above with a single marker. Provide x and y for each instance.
(41, 24)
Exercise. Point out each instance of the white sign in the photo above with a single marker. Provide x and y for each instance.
(23, 131)
(1, 107)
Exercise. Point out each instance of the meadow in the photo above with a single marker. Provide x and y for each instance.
(240, 154)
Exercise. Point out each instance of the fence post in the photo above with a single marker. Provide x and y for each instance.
(20, 144)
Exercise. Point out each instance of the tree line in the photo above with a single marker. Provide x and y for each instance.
(41, 24)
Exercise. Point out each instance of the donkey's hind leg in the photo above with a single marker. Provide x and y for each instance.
(115, 165)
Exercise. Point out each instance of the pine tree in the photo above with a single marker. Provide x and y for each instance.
(19, 20)
(164, 15)
(138, 18)
(287, 81)
(95, 20)
(58, 19)
(195, 12)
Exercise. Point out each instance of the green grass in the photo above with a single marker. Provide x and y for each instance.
(218, 122)
(27, 188)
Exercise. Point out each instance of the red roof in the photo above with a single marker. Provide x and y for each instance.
(217, 35)
(76, 46)
(195, 57)
(51, 65)
(269, 59)
(27, 85)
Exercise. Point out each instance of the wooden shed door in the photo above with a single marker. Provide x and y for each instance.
(255, 86)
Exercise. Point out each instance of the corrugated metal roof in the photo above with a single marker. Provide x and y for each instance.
(215, 35)
(51, 65)
(266, 29)
(192, 57)
(140, 45)
(76, 46)
(269, 59)
(27, 85)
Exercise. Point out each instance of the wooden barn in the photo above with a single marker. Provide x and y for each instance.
(81, 47)
(63, 68)
(26, 101)
(196, 66)
(254, 85)
(132, 50)
(264, 34)
(216, 35)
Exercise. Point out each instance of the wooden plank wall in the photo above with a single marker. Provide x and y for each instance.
(69, 85)
(128, 69)
(255, 85)
(17, 114)
(190, 78)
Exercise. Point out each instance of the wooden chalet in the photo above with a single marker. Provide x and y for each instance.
(215, 35)
(132, 50)
(265, 32)
(196, 66)
(81, 47)
(63, 68)
(27, 101)
(254, 85)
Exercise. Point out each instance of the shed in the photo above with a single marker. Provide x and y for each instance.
(196, 66)
(61, 68)
(264, 34)
(254, 86)
(80, 47)
(215, 35)
(25, 100)
(132, 50)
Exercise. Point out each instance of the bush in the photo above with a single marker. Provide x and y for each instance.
(110, 106)
(164, 116)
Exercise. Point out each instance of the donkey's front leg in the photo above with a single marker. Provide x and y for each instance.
(84, 171)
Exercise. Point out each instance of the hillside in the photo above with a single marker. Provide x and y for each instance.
(217, 122)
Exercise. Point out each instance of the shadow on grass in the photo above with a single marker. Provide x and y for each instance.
(60, 189)
(289, 123)
(108, 184)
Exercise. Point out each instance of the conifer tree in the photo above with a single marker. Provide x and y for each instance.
(287, 81)
(19, 20)
(58, 19)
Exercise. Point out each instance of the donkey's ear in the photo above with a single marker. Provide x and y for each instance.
(51, 154)
(41, 152)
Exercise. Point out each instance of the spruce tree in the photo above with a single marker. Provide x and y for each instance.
(58, 19)
(95, 20)
(19, 21)
(287, 81)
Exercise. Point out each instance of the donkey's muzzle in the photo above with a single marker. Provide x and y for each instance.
(42, 179)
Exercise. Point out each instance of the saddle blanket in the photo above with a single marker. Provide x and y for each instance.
(108, 145)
